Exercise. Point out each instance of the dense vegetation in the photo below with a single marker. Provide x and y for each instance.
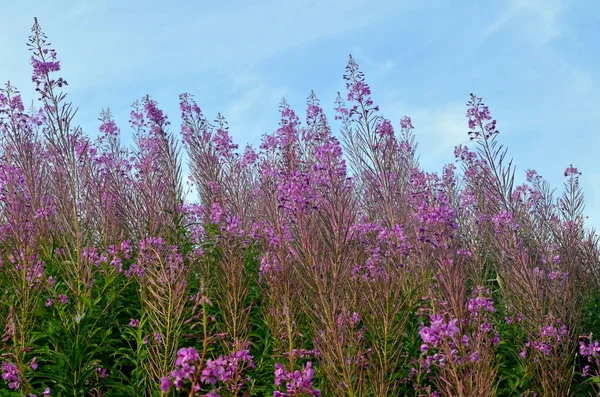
(313, 265)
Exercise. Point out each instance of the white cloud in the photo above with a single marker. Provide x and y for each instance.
(385, 65)
(246, 116)
(438, 129)
(539, 20)
(446, 125)
(85, 8)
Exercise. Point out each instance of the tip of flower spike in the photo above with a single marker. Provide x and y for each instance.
(571, 171)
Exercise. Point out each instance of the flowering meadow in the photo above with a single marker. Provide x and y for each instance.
(322, 263)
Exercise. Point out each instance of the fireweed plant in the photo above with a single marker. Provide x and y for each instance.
(318, 264)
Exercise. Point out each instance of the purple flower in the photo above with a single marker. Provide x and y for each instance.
(62, 299)
(224, 144)
(590, 351)
(32, 364)
(165, 383)
(465, 340)
(531, 175)
(102, 372)
(385, 129)
(480, 303)
(504, 220)
(297, 383)
(187, 355)
(11, 375)
(226, 369)
(480, 118)
(406, 123)
(134, 323)
(496, 339)
(474, 356)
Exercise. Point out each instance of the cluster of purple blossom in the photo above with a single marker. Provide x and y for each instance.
(438, 331)
(191, 372)
(296, 383)
(591, 352)
(12, 376)
(551, 336)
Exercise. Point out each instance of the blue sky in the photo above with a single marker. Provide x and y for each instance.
(535, 63)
